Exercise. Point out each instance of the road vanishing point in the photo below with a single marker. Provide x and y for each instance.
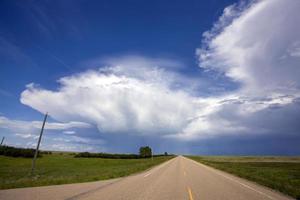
(177, 179)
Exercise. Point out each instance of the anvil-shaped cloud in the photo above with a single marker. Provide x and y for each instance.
(255, 45)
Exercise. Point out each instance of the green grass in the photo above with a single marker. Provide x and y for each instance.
(60, 169)
(279, 173)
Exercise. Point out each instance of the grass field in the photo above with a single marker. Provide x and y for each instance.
(59, 169)
(279, 173)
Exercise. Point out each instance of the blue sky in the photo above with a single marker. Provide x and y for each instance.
(198, 77)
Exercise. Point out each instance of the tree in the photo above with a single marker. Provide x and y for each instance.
(166, 153)
(145, 152)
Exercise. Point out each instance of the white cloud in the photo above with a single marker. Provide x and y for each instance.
(25, 134)
(115, 101)
(161, 71)
(71, 147)
(22, 135)
(294, 50)
(254, 44)
(79, 140)
(28, 129)
(238, 115)
(64, 145)
(69, 132)
(253, 47)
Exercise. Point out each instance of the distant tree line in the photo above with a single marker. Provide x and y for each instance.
(159, 155)
(144, 152)
(17, 152)
(106, 155)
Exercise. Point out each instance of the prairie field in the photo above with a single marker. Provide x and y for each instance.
(61, 168)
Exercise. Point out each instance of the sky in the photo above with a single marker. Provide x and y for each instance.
(217, 77)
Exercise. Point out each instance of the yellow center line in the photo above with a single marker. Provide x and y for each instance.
(190, 194)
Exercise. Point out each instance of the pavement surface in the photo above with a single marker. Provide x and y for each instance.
(177, 179)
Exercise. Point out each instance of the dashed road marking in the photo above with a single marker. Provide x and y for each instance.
(190, 194)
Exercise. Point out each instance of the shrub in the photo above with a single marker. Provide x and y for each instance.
(145, 152)
(46, 152)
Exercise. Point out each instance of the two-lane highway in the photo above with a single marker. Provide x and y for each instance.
(177, 179)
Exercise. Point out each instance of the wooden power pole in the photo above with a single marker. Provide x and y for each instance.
(38, 145)
(2, 141)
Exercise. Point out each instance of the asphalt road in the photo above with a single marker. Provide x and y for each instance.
(177, 179)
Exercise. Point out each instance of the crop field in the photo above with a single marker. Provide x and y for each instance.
(64, 168)
(279, 173)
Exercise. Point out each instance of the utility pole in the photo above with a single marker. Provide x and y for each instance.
(2, 141)
(151, 155)
(38, 145)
